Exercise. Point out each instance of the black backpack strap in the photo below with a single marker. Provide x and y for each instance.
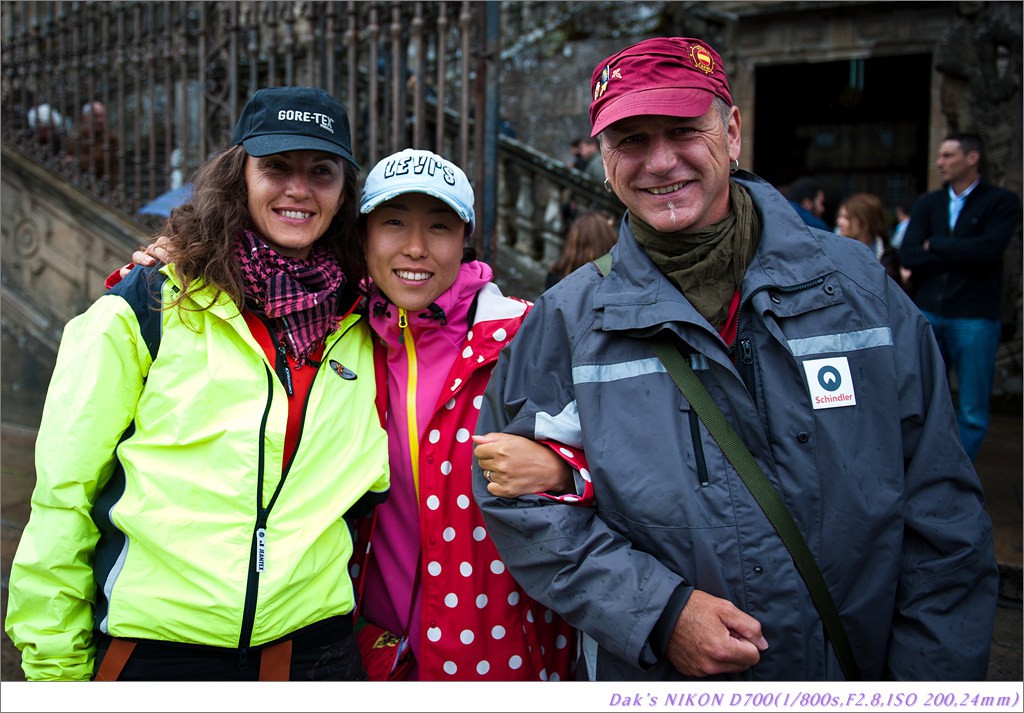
(142, 288)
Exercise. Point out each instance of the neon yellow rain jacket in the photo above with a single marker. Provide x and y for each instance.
(163, 508)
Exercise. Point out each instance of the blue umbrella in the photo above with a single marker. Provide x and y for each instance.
(163, 204)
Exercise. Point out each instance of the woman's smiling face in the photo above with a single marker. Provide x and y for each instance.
(293, 197)
(414, 248)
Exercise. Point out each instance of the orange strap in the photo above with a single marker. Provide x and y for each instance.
(276, 662)
(114, 660)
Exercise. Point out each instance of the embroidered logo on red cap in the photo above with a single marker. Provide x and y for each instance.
(702, 59)
(602, 83)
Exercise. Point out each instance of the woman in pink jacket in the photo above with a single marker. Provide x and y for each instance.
(432, 572)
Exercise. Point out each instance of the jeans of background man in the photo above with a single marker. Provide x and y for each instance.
(969, 348)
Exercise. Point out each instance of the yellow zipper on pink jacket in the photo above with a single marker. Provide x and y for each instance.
(412, 425)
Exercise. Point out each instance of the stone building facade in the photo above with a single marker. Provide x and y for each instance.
(859, 94)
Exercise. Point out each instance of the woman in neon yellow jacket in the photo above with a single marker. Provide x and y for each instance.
(208, 426)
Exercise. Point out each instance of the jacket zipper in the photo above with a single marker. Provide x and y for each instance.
(411, 423)
(698, 449)
(281, 368)
(746, 364)
(744, 360)
(257, 552)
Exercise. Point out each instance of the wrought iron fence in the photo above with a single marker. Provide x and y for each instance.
(127, 99)
(172, 77)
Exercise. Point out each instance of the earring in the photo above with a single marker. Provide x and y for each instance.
(607, 186)
(734, 165)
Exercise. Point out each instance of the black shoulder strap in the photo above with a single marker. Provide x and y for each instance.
(143, 289)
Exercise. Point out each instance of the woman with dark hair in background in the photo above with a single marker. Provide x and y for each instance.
(862, 217)
(591, 235)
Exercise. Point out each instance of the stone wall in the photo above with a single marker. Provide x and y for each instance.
(58, 246)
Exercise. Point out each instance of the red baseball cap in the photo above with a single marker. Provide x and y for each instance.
(669, 76)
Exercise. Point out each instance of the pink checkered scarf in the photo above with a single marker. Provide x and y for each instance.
(301, 297)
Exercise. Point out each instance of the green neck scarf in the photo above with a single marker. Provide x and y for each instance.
(706, 265)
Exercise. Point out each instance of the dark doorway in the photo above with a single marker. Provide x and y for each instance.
(858, 125)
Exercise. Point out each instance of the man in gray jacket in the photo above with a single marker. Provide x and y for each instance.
(822, 365)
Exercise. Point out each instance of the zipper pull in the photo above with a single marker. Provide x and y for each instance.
(746, 352)
(261, 542)
(403, 324)
(284, 372)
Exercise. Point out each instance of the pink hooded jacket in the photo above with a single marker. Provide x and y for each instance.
(469, 620)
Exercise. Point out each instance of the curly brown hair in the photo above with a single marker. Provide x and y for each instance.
(200, 235)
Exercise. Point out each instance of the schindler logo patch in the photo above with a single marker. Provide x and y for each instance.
(830, 383)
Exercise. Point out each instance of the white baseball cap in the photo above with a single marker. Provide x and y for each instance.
(43, 115)
(419, 171)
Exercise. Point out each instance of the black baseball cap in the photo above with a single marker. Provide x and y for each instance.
(279, 119)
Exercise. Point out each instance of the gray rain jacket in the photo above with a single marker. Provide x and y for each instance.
(837, 387)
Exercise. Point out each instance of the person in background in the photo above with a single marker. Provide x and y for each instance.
(46, 126)
(807, 196)
(590, 157)
(432, 572)
(954, 249)
(902, 212)
(570, 203)
(861, 216)
(576, 159)
(205, 432)
(591, 235)
(94, 147)
(821, 363)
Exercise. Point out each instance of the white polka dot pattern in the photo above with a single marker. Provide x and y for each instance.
(477, 622)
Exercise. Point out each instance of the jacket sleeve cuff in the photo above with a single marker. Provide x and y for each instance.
(115, 277)
(577, 460)
(661, 634)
